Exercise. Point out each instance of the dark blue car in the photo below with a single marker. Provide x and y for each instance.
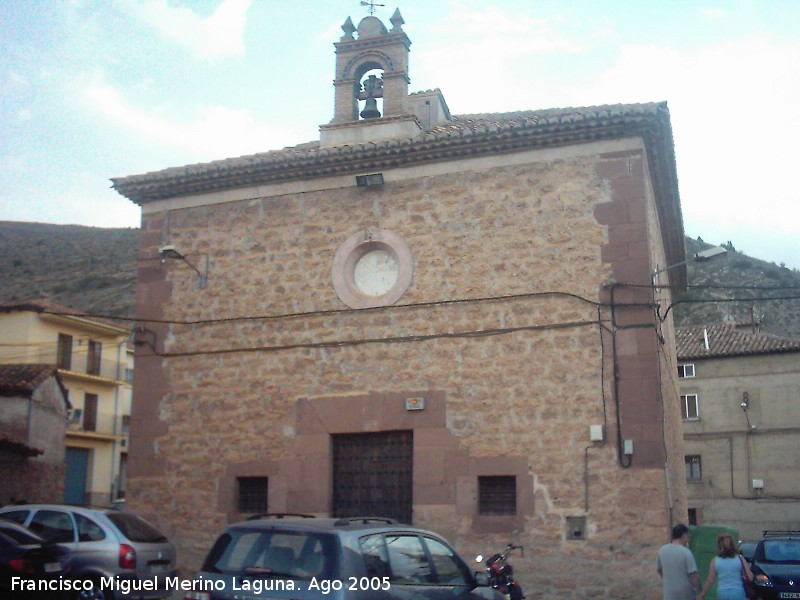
(26, 558)
(776, 565)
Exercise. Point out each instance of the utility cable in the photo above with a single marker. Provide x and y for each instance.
(324, 313)
(718, 300)
(386, 340)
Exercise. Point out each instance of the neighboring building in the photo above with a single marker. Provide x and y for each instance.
(33, 412)
(95, 364)
(443, 319)
(740, 398)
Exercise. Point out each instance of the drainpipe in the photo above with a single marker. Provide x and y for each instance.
(120, 376)
(30, 420)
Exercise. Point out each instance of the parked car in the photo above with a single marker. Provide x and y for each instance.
(776, 565)
(105, 544)
(747, 549)
(307, 558)
(26, 556)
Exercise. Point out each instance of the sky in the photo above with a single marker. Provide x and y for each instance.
(95, 89)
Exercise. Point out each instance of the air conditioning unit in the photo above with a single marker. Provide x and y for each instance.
(74, 416)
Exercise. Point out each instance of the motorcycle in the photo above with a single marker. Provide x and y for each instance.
(501, 573)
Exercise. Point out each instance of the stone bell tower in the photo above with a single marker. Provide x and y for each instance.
(371, 67)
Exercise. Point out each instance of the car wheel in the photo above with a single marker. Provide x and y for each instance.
(94, 593)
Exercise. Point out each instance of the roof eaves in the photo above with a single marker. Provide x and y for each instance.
(16, 447)
(466, 136)
(51, 308)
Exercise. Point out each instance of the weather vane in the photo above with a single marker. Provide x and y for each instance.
(371, 5)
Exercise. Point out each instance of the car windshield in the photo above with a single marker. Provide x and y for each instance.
(782, 551)
(136, 529)
(260, 553)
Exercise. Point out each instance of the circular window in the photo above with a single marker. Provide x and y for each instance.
(376, 272)
(372, 268)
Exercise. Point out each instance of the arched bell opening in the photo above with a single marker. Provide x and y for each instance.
(369, 90)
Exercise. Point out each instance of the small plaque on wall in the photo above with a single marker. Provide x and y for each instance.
(415, 403)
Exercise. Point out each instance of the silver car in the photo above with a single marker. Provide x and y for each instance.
(115, 554)
(307, 558)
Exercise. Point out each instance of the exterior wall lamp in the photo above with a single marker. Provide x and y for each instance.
(698, 256)
(372, 179)
(170, 252)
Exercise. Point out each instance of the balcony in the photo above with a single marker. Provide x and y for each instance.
(104, 426)
(110, 372)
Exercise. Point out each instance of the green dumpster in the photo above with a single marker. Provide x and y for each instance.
(703, 545)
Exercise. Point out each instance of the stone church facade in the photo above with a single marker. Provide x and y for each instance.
(445, 319)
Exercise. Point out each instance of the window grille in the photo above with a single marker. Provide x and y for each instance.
(497, 495)
(253, 494)
(694, 468)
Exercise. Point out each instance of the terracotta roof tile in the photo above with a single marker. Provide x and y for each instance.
(37, 306)
(729, 339)
(550, 127)
(46, 306)
(25, 378)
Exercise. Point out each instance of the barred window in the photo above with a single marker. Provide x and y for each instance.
(253, 494)
(694, 468)
(497, 495)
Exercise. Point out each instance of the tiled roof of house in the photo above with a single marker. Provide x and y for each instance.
(16, 380)
(22, 380)
(46, 306)
(37, 306)
(730, 339)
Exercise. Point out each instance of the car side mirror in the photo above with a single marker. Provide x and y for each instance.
(482, 579)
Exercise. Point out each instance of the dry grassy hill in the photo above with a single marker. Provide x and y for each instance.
(86, 268)
(94, 270)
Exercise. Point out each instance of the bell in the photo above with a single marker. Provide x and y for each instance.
(370, 109)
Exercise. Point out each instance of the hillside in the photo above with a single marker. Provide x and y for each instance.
(86, 268)
(718, 292)
(94, 270)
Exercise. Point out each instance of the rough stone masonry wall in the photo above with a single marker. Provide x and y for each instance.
(226, 396)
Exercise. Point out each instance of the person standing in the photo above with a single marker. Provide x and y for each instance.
(677, 567)
(728, 567)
